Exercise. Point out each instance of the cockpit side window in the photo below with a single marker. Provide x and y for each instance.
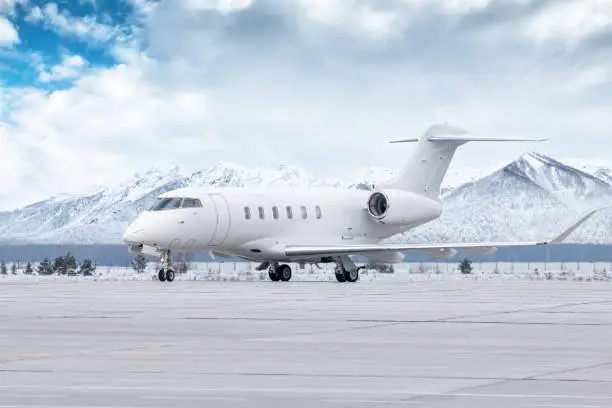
(191, 203)
(166, 203)
(171, 203)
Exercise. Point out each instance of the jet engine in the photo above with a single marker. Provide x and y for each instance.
(398, 207)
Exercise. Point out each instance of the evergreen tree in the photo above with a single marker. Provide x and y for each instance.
(139, 264)
(70, 264)
(28, 269)
(465, 266)
(3, 270)
(14, 268)
(45, 267)
(65, 265)
(87, 267)
(59, 265)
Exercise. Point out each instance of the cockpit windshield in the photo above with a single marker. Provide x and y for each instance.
(172, 203)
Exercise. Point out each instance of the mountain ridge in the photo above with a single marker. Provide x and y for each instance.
(527, 199)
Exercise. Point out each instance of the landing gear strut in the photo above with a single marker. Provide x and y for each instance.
(166, 273)
(346, 270)
(279, 272)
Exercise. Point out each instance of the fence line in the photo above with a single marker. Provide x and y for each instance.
(419, 270)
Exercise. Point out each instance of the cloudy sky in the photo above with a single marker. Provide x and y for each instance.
(92, 91)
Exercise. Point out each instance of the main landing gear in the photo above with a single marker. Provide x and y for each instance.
(346, 270)
(166, 273)
(278, 272)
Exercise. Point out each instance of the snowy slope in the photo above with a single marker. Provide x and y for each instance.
(601, 168)
(101, 217)
(604, 174)
(531, 198)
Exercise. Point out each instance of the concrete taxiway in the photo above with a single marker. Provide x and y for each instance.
(299, 344)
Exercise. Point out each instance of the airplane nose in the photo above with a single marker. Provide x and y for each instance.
(132, 235)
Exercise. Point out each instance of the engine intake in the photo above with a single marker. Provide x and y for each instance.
(395, 207)
(378, 204)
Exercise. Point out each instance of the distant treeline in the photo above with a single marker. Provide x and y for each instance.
(118, 255)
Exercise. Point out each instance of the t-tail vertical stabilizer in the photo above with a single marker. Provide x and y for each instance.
(426, 168)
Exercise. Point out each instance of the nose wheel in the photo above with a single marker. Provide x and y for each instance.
(166, 273)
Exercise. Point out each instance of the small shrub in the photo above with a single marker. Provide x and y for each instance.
(465, 266)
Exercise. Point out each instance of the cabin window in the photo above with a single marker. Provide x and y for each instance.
(318, 211)
(247, 213)
(304, 212)
(261, 212)
(275, 212)
(289, 212)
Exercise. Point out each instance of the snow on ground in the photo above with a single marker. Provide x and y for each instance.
(244, 271)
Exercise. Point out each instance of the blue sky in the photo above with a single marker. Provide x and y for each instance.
(92, 91)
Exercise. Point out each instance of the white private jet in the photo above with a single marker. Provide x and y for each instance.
(312, 225)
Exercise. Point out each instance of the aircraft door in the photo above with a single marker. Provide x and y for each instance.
(223, 220)
(188, 231)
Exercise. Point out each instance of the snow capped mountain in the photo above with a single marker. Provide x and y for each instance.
(103, 215)
(531, 198)
(565, 182)
(604, 174)
(602, 168)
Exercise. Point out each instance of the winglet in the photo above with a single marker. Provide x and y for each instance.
(561, 237)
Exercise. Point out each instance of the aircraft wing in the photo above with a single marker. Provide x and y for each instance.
(330, 250)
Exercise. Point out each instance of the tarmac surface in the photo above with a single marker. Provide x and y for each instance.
(299, 344)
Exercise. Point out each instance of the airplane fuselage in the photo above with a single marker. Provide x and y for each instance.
(255, 224)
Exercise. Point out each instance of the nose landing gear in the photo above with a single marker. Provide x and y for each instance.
(166, 273)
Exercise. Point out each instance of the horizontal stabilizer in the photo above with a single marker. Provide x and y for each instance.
(431, 249)
(473, 138)
(448, 133)
(468, 138)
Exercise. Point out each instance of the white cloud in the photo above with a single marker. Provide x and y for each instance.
(379, 20)
(570, 21)
(7, 7)
(143, 7)
(281, 82)
(86, 28)
(224, 6)
(113, 122)
(358, 19)
(8, 33)
(71, 66)
(587, 79)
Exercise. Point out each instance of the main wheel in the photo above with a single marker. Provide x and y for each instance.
(340, 277)
(169, 275)
(351, 275)
(161, 275)
(274, 275)
(285, 273)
